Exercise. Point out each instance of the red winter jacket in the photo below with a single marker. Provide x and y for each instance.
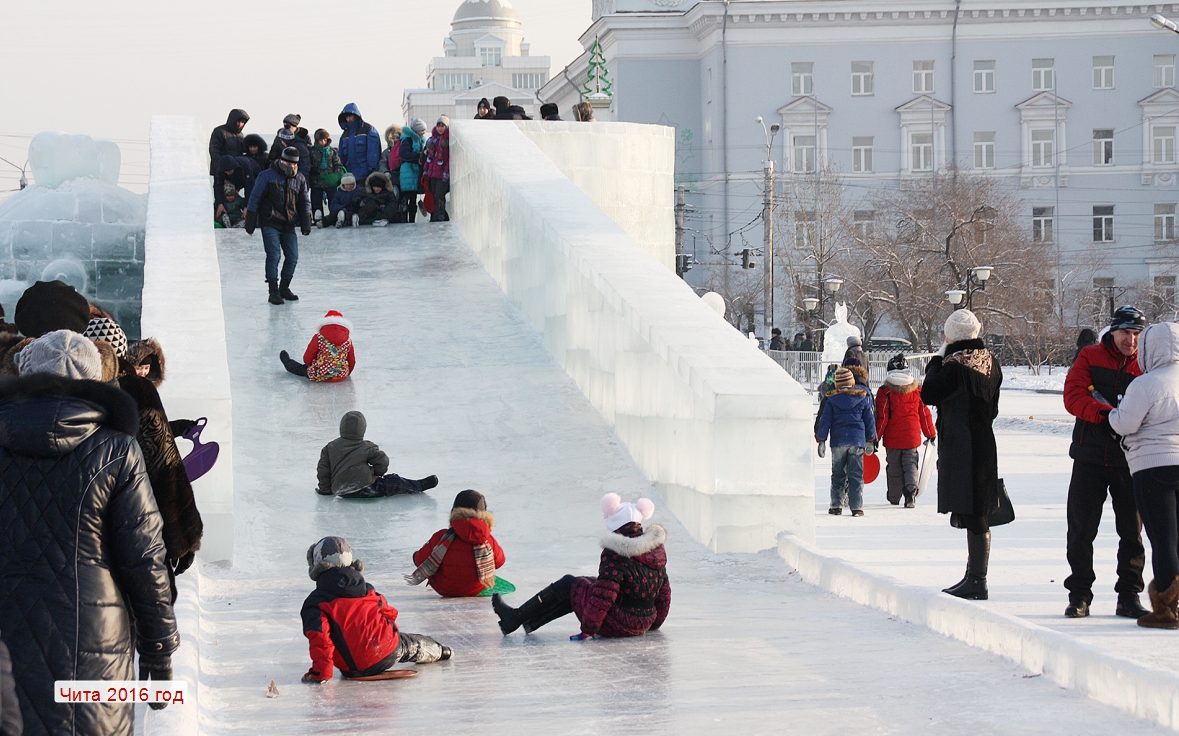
(1103, 367)
(631, 594)
(456, 576)
(348, 624)
(901, 416)
(336, 330)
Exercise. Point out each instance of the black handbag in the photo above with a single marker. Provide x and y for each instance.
(1005, 514)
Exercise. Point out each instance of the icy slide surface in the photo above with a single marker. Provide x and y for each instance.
(455, 382)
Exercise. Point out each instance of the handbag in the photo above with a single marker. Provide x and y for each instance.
(1005, 514)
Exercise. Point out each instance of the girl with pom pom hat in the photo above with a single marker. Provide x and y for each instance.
(631, 594)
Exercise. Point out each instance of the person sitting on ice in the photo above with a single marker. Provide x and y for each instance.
(631, 594)
(460, 560)
(901, 419)
(233, 208)
(329, 356)
(847, 417)
(350, 625)
(343, 210)
(378, 202)
(352, 467)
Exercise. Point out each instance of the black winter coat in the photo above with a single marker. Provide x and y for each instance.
(10, 719)
(301, 143)
(242, 176)
(81, 550)
(279, 202)
(964, 386)
(227, 140)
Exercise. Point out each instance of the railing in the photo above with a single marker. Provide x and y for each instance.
(809, 369)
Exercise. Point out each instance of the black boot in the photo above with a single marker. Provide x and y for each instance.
(284, 290)
(548, 605)
(274, 295)
(292, 365)
(973, 587)
(428, 482)
(1129, 606)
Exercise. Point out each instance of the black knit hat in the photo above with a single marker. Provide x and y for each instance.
(290, 154)
(47, 306)
(469, 499)
(1127, 318)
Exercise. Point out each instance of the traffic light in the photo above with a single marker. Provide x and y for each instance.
(683, 263)
(747, 259)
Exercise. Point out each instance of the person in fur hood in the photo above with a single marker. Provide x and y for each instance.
(901, 419)
(329, 356)
(378, 203)
(631, 594)
(461, 560)
(847, 417)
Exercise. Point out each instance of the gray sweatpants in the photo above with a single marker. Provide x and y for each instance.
(901, 473)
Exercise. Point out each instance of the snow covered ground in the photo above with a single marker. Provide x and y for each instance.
(453, 381)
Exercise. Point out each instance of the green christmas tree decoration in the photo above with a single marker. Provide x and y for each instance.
(597, 82)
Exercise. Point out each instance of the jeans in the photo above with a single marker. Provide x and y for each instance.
(273, 240)
(847, 476)
(1155, 490)
(1086, 497)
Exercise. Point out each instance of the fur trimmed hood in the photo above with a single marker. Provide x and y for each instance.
(381, 178)
(901, 382)
(149, 351)
(852, 391)
(461, 513)
(651, 539)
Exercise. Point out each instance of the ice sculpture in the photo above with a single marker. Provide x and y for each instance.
(714, 300)
(835, 339)
(77, 225)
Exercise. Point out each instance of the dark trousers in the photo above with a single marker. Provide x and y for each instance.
(319, 198)
(280, 244)
(409, 205)
(386, 485)
(439, 188)
(901, 473)
(1086, 497)
(370, 211)
(1156, 491)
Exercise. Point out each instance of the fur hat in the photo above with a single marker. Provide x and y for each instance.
(961, 325)
(348, 178)
(105, 329)
(147, 351)
(444, 119)
(619, 514)
(321, 134)
(899, 377)
(51, 305)
(330, 552)
(470, 499)
(853, 341)
(844, 378)
(290, 154)
(61, 353)
(417, 125)
(292, 119)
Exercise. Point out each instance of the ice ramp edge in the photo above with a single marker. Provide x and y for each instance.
(1146, 692)
(708, 418)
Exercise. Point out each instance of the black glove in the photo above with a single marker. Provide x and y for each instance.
(183, 563)
(305, 224)
(251, 222)
(1105, 426)
(155, 667)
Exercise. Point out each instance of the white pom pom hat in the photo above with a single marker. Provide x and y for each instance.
(619, 514)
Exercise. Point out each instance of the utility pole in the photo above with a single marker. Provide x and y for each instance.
(681, 264)
(768, 237)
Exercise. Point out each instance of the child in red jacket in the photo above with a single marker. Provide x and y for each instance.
(329, 356)
(461, 560)
(349, 624)
(901, 419)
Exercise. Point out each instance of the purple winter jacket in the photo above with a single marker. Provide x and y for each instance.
(631, 594)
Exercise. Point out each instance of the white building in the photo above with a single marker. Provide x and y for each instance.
(485, 56)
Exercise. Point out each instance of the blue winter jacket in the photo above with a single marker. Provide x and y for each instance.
(360, 144)
(343, 200)
(847, 416)
(412, 146)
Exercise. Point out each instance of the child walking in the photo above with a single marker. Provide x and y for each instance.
(847, 416)
(901, 419)
(329, 356)
(352, 467)
(462, 559)
(631, 594)
(349, 624)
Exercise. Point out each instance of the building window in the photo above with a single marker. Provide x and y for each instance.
(804, 153)
(1164, 70)
(1164, 296)
(528, 81)
(1164, 222)
(984, 150)
(449, 82)
(922, 77)
(1103, 222)
(1103, 72)
(862, 154)
(1043, 148)
(862, 78)
(984, 77)
(1163, 148)
(491, 56)
(922, 151)
(1042, 224)
(1043, 74)
(802, 78)
(863, 223)
(1103, 147)
(804, 228)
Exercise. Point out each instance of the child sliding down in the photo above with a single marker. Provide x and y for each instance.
(352, 467)
(631, 594)
(329, 356)
(461, 560)
(349, 624)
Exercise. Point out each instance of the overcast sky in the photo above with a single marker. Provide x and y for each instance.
(104, 68)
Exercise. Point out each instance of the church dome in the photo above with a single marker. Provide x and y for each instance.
(485, 10)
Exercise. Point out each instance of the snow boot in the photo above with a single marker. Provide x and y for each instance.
(548, 605)
(430, 481)
(340, 218)
(447, 653)
(973, 587)
(284, 290)
(225, 222)
(292, 365)
(355, 220)
(1129, 606)
(275, 298)
(910, 502)
(1163, 615)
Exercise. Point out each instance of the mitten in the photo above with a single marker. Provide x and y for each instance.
(251, 222)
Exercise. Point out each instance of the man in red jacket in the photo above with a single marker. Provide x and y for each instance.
(1095, 384)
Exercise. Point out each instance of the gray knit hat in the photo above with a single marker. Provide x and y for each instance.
(292, 119)
(327, 553)
(61, 353)
(418, 125)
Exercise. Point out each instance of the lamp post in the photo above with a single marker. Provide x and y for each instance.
(1163, 23)
(768, 225)
(1111, 293)
(814, 306)
(976, 280)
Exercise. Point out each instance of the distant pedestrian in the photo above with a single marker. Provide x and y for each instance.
(326, 171)
(281, 202)
(847, 418)
(227, 140)
(776, 341)
(855, 349)
(413, 147)
(549, 111)
(505, 110)
(257, 149)
(901, 419)
(240, 172)
(437, 169)
(483, 111)
(290, 135)
(345, 203)
(378, 202)
(1086, 338)
(583, 112)
(807, 345)
(360, 144)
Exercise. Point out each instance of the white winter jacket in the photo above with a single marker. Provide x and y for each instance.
(1148, 415)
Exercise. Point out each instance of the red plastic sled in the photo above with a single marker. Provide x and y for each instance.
(388, 675)
(871, 468)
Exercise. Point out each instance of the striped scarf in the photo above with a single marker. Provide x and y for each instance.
(484, 562)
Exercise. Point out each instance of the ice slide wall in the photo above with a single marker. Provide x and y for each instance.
(723, 432)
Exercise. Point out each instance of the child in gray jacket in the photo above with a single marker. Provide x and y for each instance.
(352, 467)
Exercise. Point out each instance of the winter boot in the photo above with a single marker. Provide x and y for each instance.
(548, 605)
(340, 218)
(973, 587)
(275, 298)
(447, 653)
(355, 220)
(225, 222)
(428, 482)
(910, 502)
(1163, 615)
(284, 290)
(1078, 608)
(1129, 606)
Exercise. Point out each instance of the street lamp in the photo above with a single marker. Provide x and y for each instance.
(1163, 23)
(768, 224)
(810, 304)
(976, 280)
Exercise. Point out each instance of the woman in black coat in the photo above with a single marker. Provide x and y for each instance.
(84, 580)
(964, 386)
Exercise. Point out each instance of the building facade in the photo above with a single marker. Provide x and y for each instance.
(485, 56)
(1072, 104)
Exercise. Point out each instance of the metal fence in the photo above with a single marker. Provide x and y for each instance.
(809, 369)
